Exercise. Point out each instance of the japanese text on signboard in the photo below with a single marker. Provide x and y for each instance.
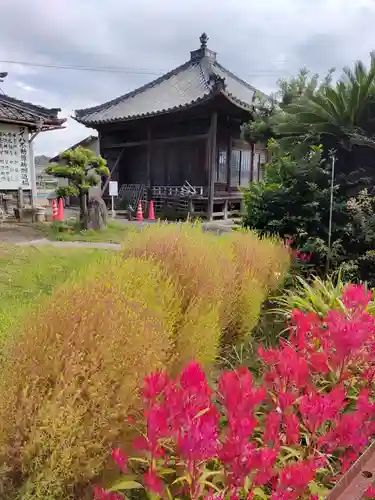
(14, 157)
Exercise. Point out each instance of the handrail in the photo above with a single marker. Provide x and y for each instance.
(359, 477)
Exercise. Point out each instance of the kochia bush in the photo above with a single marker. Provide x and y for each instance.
(74, 370)
(222, 281)
(290, 436)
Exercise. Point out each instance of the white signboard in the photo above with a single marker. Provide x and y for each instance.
(113, 188)
(14, 157)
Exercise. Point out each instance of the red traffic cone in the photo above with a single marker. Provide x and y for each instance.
(139, 212)
(55, 211)
(60, 215)
(151, 212)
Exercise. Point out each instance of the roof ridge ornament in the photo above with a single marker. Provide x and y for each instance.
(203, 39)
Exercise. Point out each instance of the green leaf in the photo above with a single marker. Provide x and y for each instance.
(182, 479)
(258, 492)
(126, 484)
(317, 489)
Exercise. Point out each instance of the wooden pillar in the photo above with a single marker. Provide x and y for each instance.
(229, 159)
(212, 160)
(149, 146)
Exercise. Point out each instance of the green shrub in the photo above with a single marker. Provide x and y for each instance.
(315, 295)
(73, 373)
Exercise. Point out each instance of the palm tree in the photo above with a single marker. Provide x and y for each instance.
(342, 115)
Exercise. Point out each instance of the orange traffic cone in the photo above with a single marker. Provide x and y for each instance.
(139, 212)
(60, 215)
(55, 211)
(151, 212)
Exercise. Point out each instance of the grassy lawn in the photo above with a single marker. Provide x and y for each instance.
(28, 274)
(115, 233)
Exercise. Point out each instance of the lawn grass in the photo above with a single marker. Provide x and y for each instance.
(28, 274)
(115, 233)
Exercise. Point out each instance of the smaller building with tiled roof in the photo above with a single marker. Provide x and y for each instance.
(24, 113)
(183, 127)
(20, 123)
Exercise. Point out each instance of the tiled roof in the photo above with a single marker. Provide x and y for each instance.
(17, 111)
(84, 143)
(193, 82)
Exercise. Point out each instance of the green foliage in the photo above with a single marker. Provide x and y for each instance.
(28, 274)
(115, 232)
(293, 200)
(84, 170)
(314, 295)
(341, 112)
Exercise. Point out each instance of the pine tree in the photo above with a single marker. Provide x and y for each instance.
(84, 169)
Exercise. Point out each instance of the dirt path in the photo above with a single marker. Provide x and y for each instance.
(15, 233)
(70, 244)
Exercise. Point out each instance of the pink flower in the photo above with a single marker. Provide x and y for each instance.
(297, 476)
(266, 461)
(120, 459)
(153, 482)
(370, 492)
(292, 429)
(100, 494)
(303, 257)
(193, 377)
(154, 385)
(318, 408)
(273, 422)
(356, 297)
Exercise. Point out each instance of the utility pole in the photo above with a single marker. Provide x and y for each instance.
(329, 254)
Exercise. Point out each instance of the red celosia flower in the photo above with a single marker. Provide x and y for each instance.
(319, 362)
(294, 394)
(100, 494)
(303, 257)
(297, 476)
(153, 482)
(193, 377)
(370, 492)
(272, 427)
(121, 460)
(356, 297)
(348, 335)
(154, 385)
(289, 242)
(318, 408)
(266, 461)
(292, 429)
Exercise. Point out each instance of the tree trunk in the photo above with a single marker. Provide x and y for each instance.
(83, 213)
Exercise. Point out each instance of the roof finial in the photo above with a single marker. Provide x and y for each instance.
(203, 39)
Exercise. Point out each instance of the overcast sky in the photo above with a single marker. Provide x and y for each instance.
(260, 41)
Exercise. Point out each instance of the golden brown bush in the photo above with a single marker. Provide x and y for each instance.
(74, 373)
(223, 281)
(261, 264)
(203, 273)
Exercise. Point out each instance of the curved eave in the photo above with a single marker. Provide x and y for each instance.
(197, 102)
(46, 125)
(206, 98)
(237, 102)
